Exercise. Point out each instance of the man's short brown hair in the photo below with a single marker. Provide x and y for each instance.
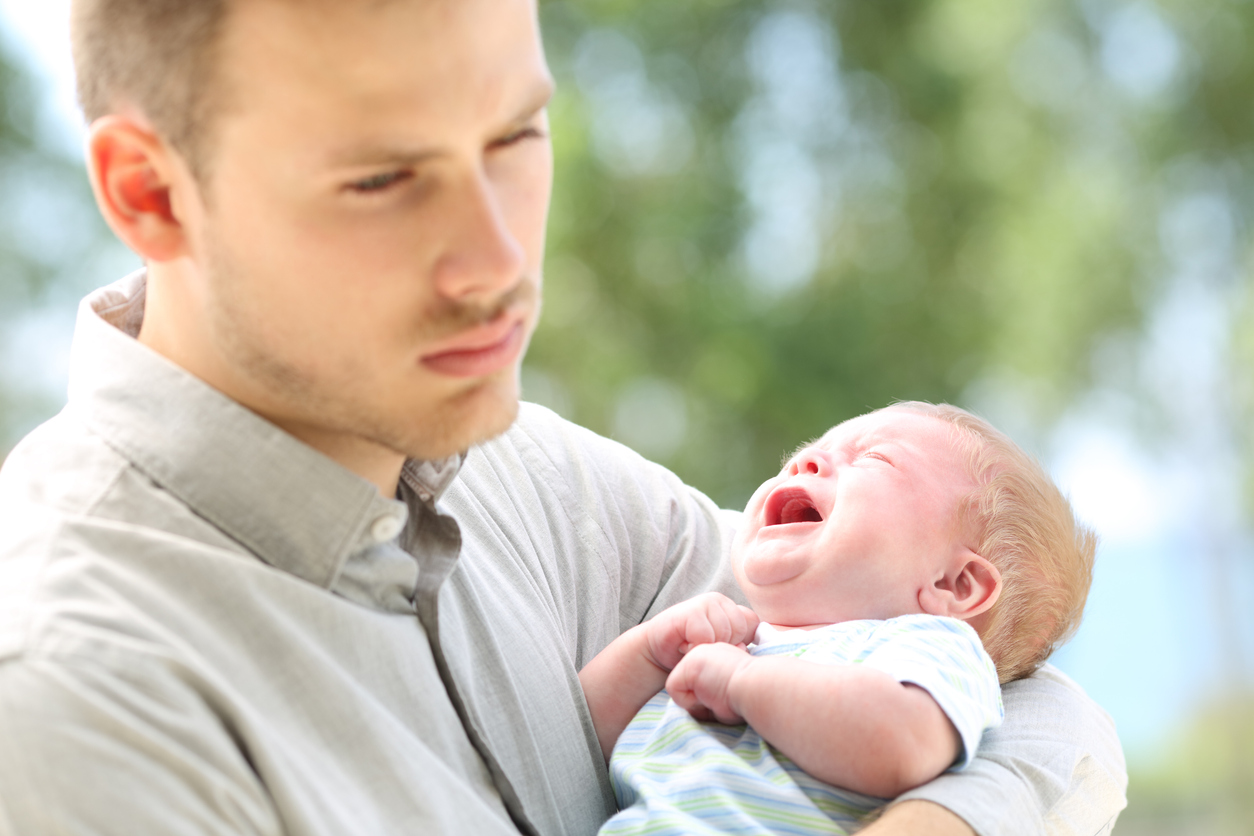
(1026, 528)
(156, 55)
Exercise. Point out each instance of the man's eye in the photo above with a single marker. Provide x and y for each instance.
(379, 182)
(519, 136)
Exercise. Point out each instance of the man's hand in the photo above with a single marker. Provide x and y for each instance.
(706, 619)
(918, 818)
(701, 682)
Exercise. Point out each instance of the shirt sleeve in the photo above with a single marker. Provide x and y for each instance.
(1053, 767)
(944, 657)
(86, 749)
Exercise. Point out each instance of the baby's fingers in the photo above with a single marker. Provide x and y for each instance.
(711, 619)
(733, 623)
(699, 683)
(745, 626)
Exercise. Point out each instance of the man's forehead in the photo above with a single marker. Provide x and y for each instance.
(370, 60)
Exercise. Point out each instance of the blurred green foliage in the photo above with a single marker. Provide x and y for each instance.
(1201, 781)
(772, 217)
(21, 276)
(50, 234)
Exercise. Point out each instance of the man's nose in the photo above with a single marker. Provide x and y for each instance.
(481, 257)
(812, 461)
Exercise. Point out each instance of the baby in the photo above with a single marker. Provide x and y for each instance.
(902, 566)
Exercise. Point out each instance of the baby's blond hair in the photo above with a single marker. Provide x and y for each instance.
(1025, 527)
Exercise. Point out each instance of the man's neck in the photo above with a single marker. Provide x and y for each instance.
(180, 342)
(369, 460)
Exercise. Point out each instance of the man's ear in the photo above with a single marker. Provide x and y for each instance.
(133, 174)
(968, 587)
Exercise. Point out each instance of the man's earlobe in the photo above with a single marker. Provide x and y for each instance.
(131, 173)
(969, 587)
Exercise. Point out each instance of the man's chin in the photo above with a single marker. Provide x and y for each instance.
(474, 417)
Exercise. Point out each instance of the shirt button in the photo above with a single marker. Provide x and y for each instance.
(386, 528)
(424, 495)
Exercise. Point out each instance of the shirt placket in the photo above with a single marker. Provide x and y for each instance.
(437, 544)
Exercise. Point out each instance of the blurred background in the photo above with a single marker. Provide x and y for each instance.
(770, 217)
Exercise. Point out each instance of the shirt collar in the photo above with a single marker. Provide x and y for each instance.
(293, 507)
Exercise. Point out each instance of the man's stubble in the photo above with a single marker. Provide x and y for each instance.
(334, 394)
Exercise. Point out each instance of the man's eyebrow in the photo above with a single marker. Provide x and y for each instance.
(404, 156)
(537, 100)
(381, 154)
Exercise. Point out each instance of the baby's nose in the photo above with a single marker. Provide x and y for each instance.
(812, 462)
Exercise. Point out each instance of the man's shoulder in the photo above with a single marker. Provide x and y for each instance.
(52, 476)
(63, 477)
(79, 528)
(60, 465)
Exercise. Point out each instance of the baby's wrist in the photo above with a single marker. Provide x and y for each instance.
(740, 684)
(659, 647)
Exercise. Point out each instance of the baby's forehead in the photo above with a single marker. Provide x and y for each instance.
(921, 437)
(891, 424)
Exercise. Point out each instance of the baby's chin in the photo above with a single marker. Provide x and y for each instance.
(764, 567)
(787, 614)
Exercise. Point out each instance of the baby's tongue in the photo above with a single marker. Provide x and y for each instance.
(799, 510)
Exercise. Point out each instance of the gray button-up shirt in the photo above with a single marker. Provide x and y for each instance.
(208, 627)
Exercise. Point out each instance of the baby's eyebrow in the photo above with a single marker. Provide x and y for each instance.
(873, 439)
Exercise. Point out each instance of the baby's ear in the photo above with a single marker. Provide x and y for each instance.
(967, 587)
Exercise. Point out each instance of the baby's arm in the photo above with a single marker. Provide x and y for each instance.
(621, 678)
(849, 725)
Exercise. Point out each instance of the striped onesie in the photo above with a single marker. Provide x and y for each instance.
(674, 775)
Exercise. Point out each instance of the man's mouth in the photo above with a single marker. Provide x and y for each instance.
(480, 351)
(789, 505)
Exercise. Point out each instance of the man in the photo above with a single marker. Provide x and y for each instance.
(251, 580)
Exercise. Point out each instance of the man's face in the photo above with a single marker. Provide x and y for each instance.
(370, 231)
(856, 524)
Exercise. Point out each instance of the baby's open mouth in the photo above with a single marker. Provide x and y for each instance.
(791, 505)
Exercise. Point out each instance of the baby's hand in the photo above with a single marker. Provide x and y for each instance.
(702, 620)
(701, 682)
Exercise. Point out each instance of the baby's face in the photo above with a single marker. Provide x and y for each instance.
(856, 524)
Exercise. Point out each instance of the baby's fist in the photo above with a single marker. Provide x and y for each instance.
(706, 619)
(701, 683)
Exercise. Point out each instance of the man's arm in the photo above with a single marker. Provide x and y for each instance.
(848, 725)
(1053, 767)
(917, 818)
(82, 750)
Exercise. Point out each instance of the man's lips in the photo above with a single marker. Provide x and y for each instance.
(790, 504)
(481, 350)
